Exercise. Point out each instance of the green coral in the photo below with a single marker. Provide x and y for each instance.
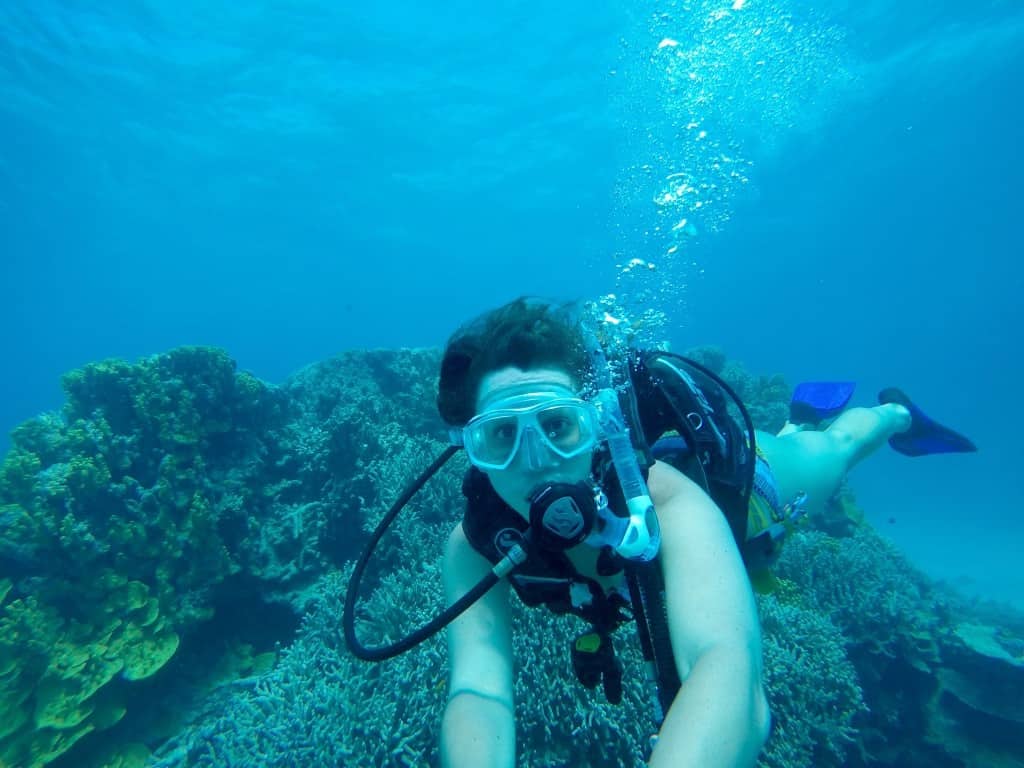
(59, 689)
(112, 536)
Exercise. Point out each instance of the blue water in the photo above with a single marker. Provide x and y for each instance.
(296, 180)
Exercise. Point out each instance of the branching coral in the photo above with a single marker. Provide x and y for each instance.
(561, 722)
(812, 687)
(351, 417)
(895, 625)
(322, 706)
(879, 601)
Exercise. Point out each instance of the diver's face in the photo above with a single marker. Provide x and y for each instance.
(540, 465)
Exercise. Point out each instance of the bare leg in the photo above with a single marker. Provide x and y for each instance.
(816, 462)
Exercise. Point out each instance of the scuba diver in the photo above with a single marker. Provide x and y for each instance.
(651, 499)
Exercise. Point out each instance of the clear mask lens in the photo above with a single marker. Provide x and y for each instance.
(565, 426)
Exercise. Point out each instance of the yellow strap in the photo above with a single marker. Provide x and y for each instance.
(588, 643)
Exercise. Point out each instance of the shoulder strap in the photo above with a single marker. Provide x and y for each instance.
(486, 515)
(687, 398)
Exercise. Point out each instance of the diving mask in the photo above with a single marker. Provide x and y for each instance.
(563, 424)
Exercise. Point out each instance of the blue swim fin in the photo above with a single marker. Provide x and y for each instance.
(925, 436)
(814, 401)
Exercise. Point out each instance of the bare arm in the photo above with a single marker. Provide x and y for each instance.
(720, 715)
(478, 727)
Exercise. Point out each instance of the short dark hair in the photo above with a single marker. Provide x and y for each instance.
(525, 333)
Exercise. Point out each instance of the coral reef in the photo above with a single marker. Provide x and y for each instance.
(892, 624)
(322, 706)
(172, 488)
(940, 688)
(559, 721)
(176, 508)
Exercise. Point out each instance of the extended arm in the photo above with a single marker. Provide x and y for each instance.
(720, 715)
(478, 727)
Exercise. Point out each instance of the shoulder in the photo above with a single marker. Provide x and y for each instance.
(690, 520)
(666, 483)
(693, 528)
